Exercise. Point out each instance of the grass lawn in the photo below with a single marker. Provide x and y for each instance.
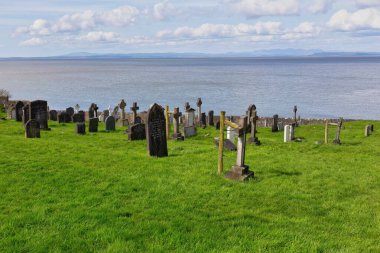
(102, 193)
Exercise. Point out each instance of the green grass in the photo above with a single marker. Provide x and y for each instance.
(102, 193)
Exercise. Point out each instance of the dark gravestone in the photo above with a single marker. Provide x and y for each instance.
(106, 113)
(275, 123)
(228, 145)
(19, 106)
(39, 112)
(252, 121)
(110, 123)
(156, 131)
(137, 132)
(203, 120)
(93, 111)
(80, 128)
(93, 125)
(53, 115)
(32, 129)
(78, 117)
(217, 125)
(70, 111)
(295, 115)
(64, 117)
(211, 118)
(372, 127)
(138, 120)
(25, 113)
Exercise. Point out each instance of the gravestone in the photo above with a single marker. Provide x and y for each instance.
(134, 109)
(53, 115)
(211, 118)
(280, 126)
(80, 128)
(367, 130)
(156, 131)
(39, 112)
(275, 123)
(138, 120)
(110, 123)
(136, 132)
(293, 131)
(93, 111)
(64, 117)
(187, 106)
(252, 118)
(199, 111)
(372, 127)
(217, 125)
(228, 145)
(18, 107)
(295, 115)
(70, 111)
(176, 116)
(122, 106)
(26, 113)
(115, 113)
(338, 130)
(189, 127)
(32, 129)
(287, 137)
(105, 115)
(93, 125)
(203, 120)
(232, 134)
(240, 171)
(78, 117)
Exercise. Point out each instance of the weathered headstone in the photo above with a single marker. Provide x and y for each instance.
(199, 111)
(228, 144)
(338, 130)
(80, 128)
(78, 117)
(156, 131)
(64, 117)
(176, 115)
(295, 115)
(275, 123)
(32, 129)
(39, 112)
(93, 111)
(203, 120)
(287, 137)
(211, 118)
(70, 111)
(232, 134)
(252, 118)
(93, 125)
(187, 106)
(217, 125)
(372, 127)
(53, 115)
(110, 123)
(122, 106)
(189, 127)
(137, 132)
(19, 106)
(367, 130)
(134, 109)
(105, 115)
(293, 131)
(26, 113)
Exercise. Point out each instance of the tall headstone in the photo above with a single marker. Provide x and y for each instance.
(240, 171)
(26, 113)
(287, 137)
(295, 115)
(338, 130)
(19, 106)
(93, 111)
(189, 127)
(199, 110)
(177, 134)
(122, 106)
(93, 125)
(134, 109)
(156, 131)
(203, 120)
(39, 112)
(53, 115)
(252, 119)
(32, 129)
(110, 123)
(275, 123)
(293, 131)
(80, 128)
(211, 118)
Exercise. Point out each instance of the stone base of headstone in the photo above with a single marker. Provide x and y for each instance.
(80, 128)
(254, 141)
(228, 145)
(336, 142)
(189, 131)
(178, 137)
(240, 173)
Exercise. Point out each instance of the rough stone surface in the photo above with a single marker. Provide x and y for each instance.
(32, 129)
(136, 132)
(110, 124)
(80, 128)
(93, 125)
(156, 132)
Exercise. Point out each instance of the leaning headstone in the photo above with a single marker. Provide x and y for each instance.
(136, 132)
(275, 123)
(53, 115)
(19, 106)
(203, 120)
(156, 131)
(110, 124)
(93, 125)
(211, 118)
(176, 116)
(372, 127)
(39, 112)
(232, 134)
(80, 128)
(32, 129)
(287, 137)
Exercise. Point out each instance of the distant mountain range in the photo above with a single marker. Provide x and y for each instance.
(273, 53)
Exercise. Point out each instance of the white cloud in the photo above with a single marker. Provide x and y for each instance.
(164, 11)
(302, 31)
(32, 42)
(367, 3)
(320, 6)
(257, 8)
(364, 19)
(101, 37)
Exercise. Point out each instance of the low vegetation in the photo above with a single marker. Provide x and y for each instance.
(102, 193)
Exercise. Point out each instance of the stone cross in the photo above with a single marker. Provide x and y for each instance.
(176, 116)
(77, 107)
(252, 118)
(134, 109)
(187, 106)
(122, 106)
(199, 110)
(295, 114)
(338, 130)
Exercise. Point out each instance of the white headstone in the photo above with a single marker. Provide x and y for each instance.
(287, 134)
(231, 134)
(292, 132)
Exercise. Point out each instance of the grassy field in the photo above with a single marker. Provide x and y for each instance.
(102, 193)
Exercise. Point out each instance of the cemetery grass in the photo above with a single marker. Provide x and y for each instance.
(102, 193)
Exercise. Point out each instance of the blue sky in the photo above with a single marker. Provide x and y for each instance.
(43, 28)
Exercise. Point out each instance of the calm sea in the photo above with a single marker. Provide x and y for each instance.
(321, 87)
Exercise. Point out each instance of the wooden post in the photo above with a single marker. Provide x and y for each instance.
(327, 132)
(221, 142)
(167, 122)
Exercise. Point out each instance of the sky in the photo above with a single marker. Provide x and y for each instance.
(58, 27)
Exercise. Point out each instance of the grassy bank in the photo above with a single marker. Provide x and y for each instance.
(102, 193)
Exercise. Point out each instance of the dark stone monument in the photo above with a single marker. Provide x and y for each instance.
(199, 111)
(93, 111)
(53, 115)
(338, 130)
(19, 106)
(78, 117)
(39, 112)
(136, 132)
(134, 109)
(110, 124)
(295, 115)
(252, 118)
(64, 117)
(106, 113)
(217, 125)
(187, 106)
(70, 111)
(25, 113)
(156, 131)
(32, 129)
(275, 123)
(80, 128)
(93, 125)
(138, 120)
(211, 118)
(203, 120)
(372, 127)
(177, 135)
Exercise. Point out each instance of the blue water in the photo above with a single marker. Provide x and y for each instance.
(321, 87)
